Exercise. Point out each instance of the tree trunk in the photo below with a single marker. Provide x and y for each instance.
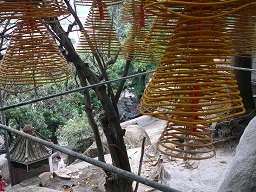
(115, 182)
(244, 80)
(112, 128)
(90, 117)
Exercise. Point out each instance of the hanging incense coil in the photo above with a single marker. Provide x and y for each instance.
(241, 28)
(222, 8)
(36, 9)
(159, 35)
(239, 17)
(98, 2)
(100, 33)
(133, 12)
(182, 142)
(32, 59)
(134, 51)
(187, 87)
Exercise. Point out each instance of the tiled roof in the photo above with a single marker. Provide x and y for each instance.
(26, 151)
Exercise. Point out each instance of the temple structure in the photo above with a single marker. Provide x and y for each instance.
(28, 158)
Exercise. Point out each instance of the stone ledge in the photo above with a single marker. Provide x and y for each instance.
(141, 121)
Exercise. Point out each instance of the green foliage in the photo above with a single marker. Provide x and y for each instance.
(75, 130)
(49, 112)
(136, 85)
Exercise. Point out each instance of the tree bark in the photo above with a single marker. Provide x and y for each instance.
(244, 80)
(90, 117)
(111, 121)
(115, 182)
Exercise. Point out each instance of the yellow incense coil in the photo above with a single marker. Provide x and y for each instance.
(238, 18)
(188, 143)
(134, 13)
(36, 9)
(102, 34)
(132, 48)
(98, 2)
(242, 30)
(187, 82)
(159, 35)
(32, 59)
(222, 8)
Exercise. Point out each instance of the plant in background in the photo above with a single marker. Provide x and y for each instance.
(75, 131)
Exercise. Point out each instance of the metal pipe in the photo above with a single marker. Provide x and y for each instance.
(90, 160)
(74, 90)
(6, 143)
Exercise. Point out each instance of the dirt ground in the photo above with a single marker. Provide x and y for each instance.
(189, 176)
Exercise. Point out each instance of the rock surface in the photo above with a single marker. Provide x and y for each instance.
(134, 135)
(31, 189)
(240, 176)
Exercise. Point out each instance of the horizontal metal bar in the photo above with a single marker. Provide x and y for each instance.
(74, 90)
(90, 160)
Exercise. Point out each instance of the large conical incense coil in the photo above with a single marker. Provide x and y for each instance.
(32, 59)
(132, 47)
(239, 15)
(98, 2)
(188, 88)
(159, 35)
(133, 51)
(36, 9)
(242, 30)
(222, 7)
(180, 142)
(133, 12)
(102, 34)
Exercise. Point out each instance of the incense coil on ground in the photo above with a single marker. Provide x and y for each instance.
(187, 87)
(186, 142)
(99, 35)
(32, 59)
(36, 9)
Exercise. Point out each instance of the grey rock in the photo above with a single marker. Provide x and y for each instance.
(240, 176)
(134, 135)
(44, 178)
(31, 189)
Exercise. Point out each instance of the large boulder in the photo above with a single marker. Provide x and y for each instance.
(134, 135)
(240, 176)
(133, 139)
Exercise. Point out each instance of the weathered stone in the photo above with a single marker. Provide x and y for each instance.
(240, 176)
(44, 178)
(134, 135)
(31, 189)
